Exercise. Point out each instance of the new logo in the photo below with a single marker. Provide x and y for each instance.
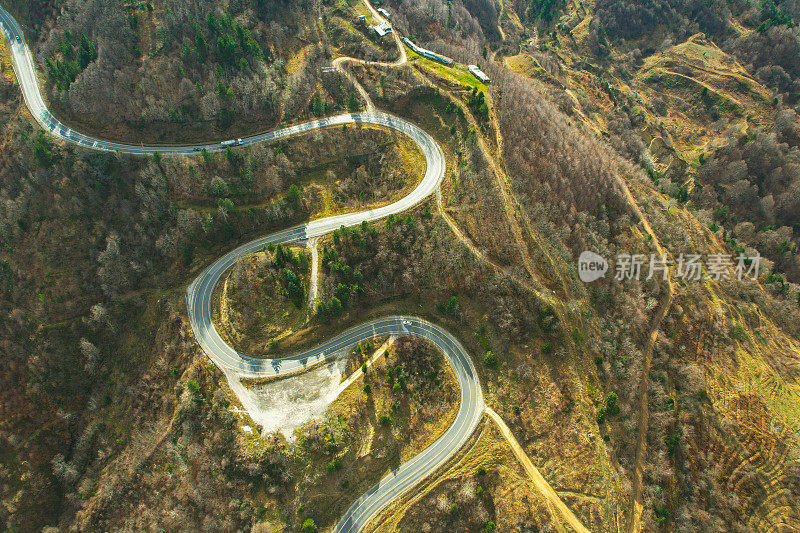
(591, 266)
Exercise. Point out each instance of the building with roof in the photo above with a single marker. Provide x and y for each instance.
(424, 52)
(478, 73)
(384, 28)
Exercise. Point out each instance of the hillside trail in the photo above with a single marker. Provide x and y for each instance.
(634, 519)
(557, 264)
(403, 59)
(517, 217)
(637, 506)
(359, 372)
(339, 64)
(643, 418)
(510, 206)
(482, 257)
(536, 477)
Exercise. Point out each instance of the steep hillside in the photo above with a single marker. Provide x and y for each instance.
(175, 71)
(626, 403)
(709, 119)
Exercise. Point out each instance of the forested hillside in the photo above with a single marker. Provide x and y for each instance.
(621, 127)
(175, 70)
(700, 96)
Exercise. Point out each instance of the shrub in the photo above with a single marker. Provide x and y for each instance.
(353, 104)
(448, 308)
(490, 359)
(293, 195)
(334, 465)
(662, 514)
(612, 408)
(309, 526)
(43, 151)
(329, 309)
(385, 420)
(672, 441)
(601, 414)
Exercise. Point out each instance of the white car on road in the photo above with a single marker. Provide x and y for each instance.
(406, 322)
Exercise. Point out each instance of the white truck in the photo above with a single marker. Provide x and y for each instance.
(232, 142)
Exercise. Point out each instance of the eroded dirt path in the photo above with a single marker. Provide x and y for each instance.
(635, 515)
(541, 484)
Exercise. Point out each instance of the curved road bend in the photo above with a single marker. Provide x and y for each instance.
(25, 71)
(199, 293)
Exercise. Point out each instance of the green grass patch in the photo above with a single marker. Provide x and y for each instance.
(456, 73)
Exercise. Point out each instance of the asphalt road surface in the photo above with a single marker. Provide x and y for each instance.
(200, 292)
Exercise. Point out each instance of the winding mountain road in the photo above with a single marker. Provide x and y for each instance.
(200, 292)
